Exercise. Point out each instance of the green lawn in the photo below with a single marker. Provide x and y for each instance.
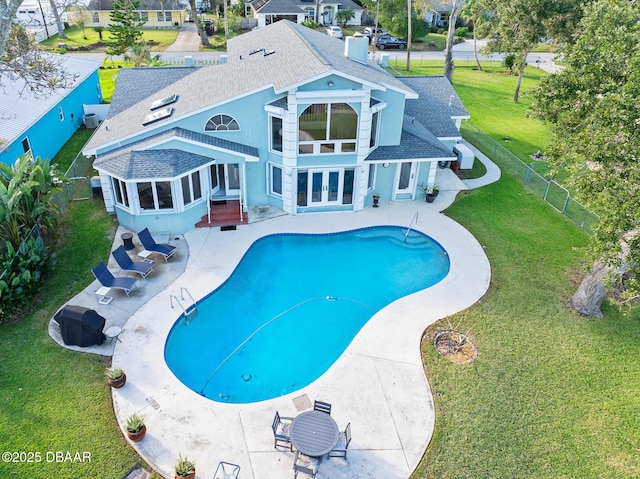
(75, 37)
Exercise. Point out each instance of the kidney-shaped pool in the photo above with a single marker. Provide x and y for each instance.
(292, 306)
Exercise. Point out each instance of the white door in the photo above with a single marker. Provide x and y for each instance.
(325, 187)
(405, 180)
(225, 179)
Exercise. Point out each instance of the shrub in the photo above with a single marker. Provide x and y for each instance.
(441, 31)
(310, 23)
(462, 32)
(23, 270)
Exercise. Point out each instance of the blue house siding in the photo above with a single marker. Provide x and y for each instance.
(49, 134)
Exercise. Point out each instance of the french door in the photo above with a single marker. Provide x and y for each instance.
(325, 187)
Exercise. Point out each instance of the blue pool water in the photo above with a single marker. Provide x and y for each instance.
(292, 306)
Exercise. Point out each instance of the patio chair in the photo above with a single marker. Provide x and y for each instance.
(143, 268)
(226, 470)
(148, 243)
(322, 407)
(281, 426)
(305, 464)
(106, 279)
(340, 449)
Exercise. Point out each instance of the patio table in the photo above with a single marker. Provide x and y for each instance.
(314, 433)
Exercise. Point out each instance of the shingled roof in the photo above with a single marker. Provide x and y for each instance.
(438, 105)
(299, 55)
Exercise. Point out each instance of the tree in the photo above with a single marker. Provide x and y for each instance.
(56, 17)
(393, 15)
(344, 16)
(593, 110)
(124, 28)
(456, 5)
(22, 61)
(204, 40)
(476, 12)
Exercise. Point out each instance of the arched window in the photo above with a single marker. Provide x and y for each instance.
(222, 123)
(327, 128)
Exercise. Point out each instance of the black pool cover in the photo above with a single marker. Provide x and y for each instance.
(80, 326)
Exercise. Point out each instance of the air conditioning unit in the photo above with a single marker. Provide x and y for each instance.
(91, 120)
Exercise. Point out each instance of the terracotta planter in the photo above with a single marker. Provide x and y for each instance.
(191, 475)
(137, 436)
(118, 382)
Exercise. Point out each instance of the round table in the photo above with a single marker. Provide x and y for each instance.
(314, 433)
(127, 241)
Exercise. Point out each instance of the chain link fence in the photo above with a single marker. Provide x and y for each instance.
(550, 191)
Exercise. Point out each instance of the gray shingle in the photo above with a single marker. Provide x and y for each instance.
(437, 105)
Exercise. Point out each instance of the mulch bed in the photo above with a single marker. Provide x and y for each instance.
(456, 347)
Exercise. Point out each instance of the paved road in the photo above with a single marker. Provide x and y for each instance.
(188, 41)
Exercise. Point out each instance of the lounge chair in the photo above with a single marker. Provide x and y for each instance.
(143, 268)
(108, 280)
(281, 427)
(322, 407)
(226, 470)
(166, 250)
(305, 464)
(340, 449)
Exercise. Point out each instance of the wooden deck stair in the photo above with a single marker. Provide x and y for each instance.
(225, 213)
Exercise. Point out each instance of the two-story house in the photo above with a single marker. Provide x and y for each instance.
(295, 120)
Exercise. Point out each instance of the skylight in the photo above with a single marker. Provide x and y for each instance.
(158, 115)
(164, 102)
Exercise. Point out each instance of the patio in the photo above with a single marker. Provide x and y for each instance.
(377, 385)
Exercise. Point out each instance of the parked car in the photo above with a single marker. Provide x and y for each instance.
(373, 31)
(334, 31)
(387, 41)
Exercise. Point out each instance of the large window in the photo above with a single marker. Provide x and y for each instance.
(164, 16)
(191, 189)
(276, 134)
(222, 123)
(120, 190)
(276, 180)
(155, 195)
(327, 128)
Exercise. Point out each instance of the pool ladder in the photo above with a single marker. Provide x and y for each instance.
(190, 311)
(413, 221)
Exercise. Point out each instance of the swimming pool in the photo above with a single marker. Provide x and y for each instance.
(292, 306)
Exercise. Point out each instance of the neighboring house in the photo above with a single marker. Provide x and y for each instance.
(38, 19)
(155, 13)
(40, 126)
(271, 11)
(438, 13)
(296, 120)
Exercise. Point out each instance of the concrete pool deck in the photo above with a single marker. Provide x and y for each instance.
(377, 384)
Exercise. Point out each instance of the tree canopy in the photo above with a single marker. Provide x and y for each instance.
(593, 110)
(517, 26)
(393, 16)
(124, 28)
(22, 62)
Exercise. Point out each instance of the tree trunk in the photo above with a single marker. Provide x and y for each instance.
(589, 295)
(408, 35)
(56, 16)
(451, 31)
(226, 20)
(522, 66)
(475, 51)
(196, 18)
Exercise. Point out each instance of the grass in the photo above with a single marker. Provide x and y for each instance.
(75, 38)
(53, 399)
(552, 394)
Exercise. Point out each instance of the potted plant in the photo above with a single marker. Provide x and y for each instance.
(116, 377)
(136, 428)
(376, 199)
(430, 192)
(185, 468)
